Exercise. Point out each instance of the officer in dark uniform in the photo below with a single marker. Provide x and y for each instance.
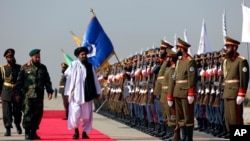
(32, 79)
(236, 78)
(184, 91)
(11, 105)
(61, 90)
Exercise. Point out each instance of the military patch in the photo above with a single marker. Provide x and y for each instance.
(244, 69)
(191, 69)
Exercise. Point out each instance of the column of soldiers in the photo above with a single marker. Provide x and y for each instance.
(162, 92)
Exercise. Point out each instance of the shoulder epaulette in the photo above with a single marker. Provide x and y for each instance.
(189, 58)
(242, 57)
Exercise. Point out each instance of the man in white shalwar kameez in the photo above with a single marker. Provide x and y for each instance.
(82, 86)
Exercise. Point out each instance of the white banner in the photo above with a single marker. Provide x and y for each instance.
(245, 24)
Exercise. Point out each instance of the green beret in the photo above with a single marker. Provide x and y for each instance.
(34, 51)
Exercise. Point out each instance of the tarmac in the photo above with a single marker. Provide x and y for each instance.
(107, 126)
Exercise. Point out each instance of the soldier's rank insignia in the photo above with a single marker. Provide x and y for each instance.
(191, 69)
(244, 69)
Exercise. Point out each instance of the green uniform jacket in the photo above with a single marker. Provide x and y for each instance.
(186, 70)
(62, 84)
(165, 84)
(32, 80)
(160, 76)
(236, 70)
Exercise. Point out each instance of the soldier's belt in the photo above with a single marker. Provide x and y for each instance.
(8, 84)
(232, 81)
(61, 86)
(164, 87)
(181, 81)
(216, 83)
(160, 77)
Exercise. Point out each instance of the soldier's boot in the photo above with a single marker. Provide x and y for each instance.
(150, 128)
(189, 131)
(157, 130)
(204, 125)
(27, 134)
(34, 135)
(163, 130)
(18, 129)
(84, 135)
(8, 132)
(76, 134)
(217, 129)
(223, 133)
(169, 134)
(183, 133)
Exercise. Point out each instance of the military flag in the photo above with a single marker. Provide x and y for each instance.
(98, 43)
(204, 45)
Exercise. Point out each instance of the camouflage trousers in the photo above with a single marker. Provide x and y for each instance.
(32, 113)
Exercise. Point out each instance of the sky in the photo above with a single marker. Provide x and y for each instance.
(132, 26)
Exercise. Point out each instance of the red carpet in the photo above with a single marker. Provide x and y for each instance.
(53, 128)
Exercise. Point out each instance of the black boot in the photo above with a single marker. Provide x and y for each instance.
(18, 129)
(34, 135)
(7, 133)
(27, 134)
(163, 130)
(169, 133)
(223, 133)
(84, 135)
(76, 134)
(189, 131)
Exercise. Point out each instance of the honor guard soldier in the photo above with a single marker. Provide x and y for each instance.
(11, 104)
(168, 88)
(160, 130)
(184, 91)
(236, 74)
(197, 106)
(62, 82)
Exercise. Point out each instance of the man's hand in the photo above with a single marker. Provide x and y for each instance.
(49, 96)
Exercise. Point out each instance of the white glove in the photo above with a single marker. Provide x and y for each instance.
(240, 99)
(206, 91)
(170, 103)
(190, 99)
(212, 91)
(217, 92)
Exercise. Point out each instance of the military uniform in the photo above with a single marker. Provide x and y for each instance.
(184, 92)
(236, 74)
(31, 82)
(11, 106)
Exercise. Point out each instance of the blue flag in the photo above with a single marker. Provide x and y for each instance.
(98, 43)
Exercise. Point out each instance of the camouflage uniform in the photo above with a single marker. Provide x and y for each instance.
(31, 81)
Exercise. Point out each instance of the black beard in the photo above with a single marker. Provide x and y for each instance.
(84, 61)
(168, 64)
(179, 53)
(229, 54)
(36, 63)
(11, 62)
(163, 55)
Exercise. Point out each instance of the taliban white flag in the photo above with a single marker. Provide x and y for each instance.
(245, 24)
(204, 46)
